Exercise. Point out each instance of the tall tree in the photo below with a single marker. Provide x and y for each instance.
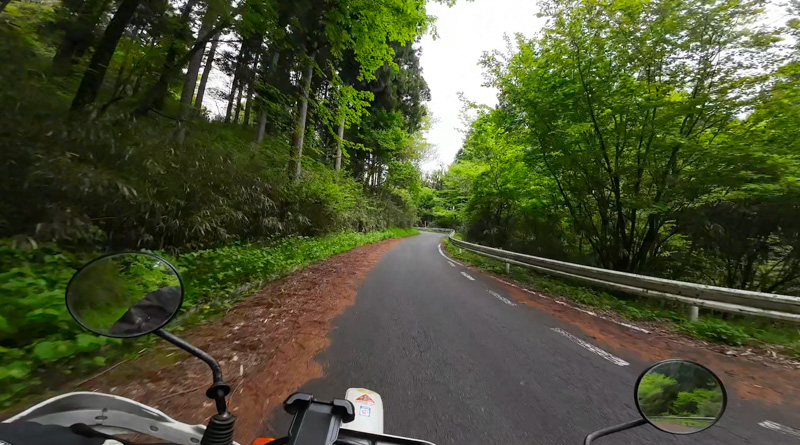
(235, 83)
(93, 77)
(302, 114)
(206, 32)
(364, 27)
(201, 89)
(269, 73)
(80, 21)
(179, 33)
(339, 140)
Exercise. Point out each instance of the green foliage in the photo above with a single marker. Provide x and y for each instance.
(213, 277)
(715, 330)
(700, 402)
(655, 391)
(117, 180)
(664, 395)
(36, 329)
(368, 28)
(37, 334)
(625, 137)
(144, 192)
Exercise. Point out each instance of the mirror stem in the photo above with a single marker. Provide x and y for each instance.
(612, 430)
(219, 389)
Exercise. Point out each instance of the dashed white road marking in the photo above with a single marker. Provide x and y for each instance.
(593, 314)
(770, 425)
(628, 325)
(447, 257)
(536, 293)
(577, 308)
(502, 298)
(451, 263)
(468, 276)
(606, 355)
(508, 283)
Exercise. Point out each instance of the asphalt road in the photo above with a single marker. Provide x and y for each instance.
(455, 364)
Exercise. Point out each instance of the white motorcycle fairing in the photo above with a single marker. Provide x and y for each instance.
(114, 415)
(369, 411)
(367, 427)
(111, 414)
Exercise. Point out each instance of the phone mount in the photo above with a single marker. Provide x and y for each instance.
(316, 422)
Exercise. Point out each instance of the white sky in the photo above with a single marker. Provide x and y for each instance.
(450, 63)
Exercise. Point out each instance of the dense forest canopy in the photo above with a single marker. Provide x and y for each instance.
(109, 141)
(654, 136)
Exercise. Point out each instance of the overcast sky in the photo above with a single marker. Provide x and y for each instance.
(450, 63)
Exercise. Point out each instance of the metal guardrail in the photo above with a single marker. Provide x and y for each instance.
(781, 307)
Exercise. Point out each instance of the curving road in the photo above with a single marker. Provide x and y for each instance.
(457, 361)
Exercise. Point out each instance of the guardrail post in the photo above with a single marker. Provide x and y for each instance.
(694, 312)
(508, 269)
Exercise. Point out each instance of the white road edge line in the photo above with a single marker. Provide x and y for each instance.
(606, 355)
(502, 298)
(447, 257)
(628, 325)
(467, 275)
(594, 314)
(770, 425)
(621, 323)
(508, 283)
(536, 293)
(451, 263)
(577, 308)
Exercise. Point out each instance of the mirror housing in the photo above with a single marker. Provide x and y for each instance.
(125, 295)
(680, 397)
(130, 294)
(675, 396)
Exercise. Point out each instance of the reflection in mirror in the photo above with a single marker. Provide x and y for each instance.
(680, 397)
(125, 295)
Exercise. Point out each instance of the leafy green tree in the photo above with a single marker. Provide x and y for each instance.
(698, 403)
(639, 133)
(618, 100)
(656, 393)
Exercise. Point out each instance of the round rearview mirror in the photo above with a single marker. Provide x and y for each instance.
(125, 294)
(680, 397)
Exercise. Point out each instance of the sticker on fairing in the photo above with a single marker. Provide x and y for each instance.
(365, 399)
(364, 411)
